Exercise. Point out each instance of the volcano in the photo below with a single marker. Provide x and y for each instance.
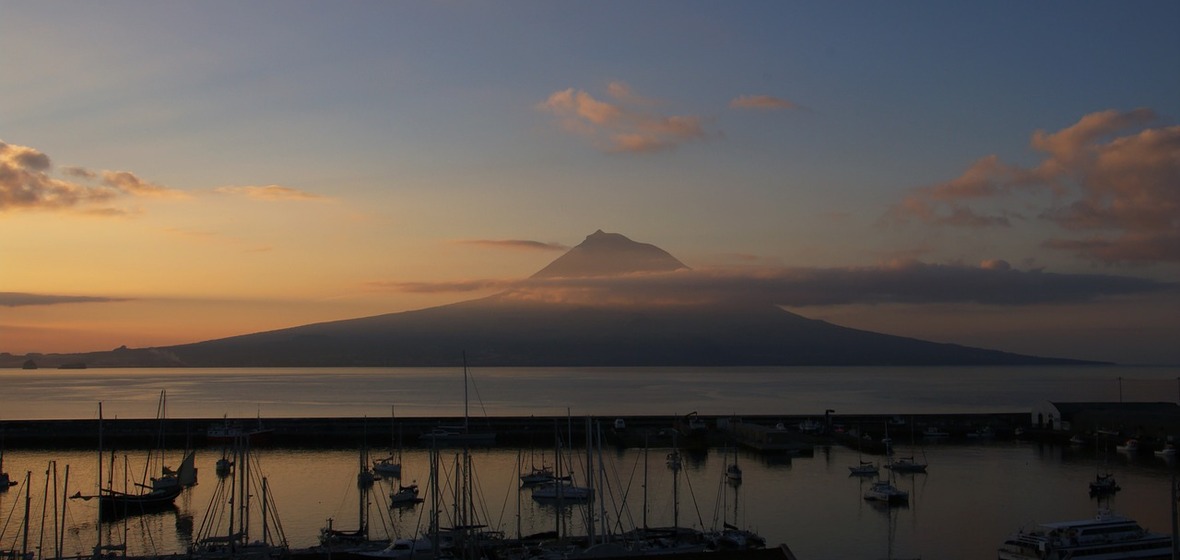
(508, 330)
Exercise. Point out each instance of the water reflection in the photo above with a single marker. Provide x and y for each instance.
(809, 503)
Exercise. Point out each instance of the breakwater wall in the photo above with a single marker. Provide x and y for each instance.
(527, 431)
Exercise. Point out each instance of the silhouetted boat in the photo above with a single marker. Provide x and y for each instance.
(1105, 536)
(458, 435)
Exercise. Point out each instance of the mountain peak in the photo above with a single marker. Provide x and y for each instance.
(609, 254)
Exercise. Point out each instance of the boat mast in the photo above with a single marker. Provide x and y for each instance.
(465, 392)
(98, 482)
(589, 482)
(24, 547)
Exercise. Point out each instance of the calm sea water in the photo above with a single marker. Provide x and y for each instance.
(355, 392)
(973, 495)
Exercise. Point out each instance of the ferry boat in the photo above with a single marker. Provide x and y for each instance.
(1106, 536)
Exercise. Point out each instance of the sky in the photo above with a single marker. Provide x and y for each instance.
(996, 174)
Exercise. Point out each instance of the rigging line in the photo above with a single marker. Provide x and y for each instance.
(480, 399)
(11, 515)
(692, 494)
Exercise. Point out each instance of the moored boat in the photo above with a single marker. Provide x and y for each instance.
(865, 468)
(1130, 446)
(885, 492)
(405, 496)
(1106, 536)
(907, 465)
(1104, 485)
(562, 491)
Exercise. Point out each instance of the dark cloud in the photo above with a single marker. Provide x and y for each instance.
(515, 244)
(459, 286)
(17, 299)
(993, 282)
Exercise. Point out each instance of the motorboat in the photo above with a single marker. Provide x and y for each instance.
(865, 468)
(932, 432)
(538, 475)
(885, 492)
(1168, 452)
(388, 466)
(562, 491)
(1129, 446)
(810, 426)
(405, 496)
(1105, 536)
(982, 433)
(906, 465)
(228, 432)
(733, 473)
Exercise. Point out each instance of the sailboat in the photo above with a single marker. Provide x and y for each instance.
(562, 490)
(224, 532)
(862, 468)
(459, 435)
(391, 465)
(154, 493)
(731, 537)
(336, 541)
(733, 472)
(538, 475)
(882, 489)
(908, 464)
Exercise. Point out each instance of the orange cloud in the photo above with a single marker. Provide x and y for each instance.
(762, 102)
(618, 128)
(26, 183)
(269, 192)
(1123, 188)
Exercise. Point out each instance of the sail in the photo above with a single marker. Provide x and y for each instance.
(188, 470)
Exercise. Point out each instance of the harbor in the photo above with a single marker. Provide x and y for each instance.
(795, 434)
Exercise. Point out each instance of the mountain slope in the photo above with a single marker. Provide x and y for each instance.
(496, 331)
(520, 329)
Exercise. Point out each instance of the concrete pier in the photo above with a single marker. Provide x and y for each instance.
(766, 433)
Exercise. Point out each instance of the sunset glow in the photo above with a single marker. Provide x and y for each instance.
(1004, 176)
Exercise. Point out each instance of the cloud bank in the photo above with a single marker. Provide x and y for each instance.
(1110, 178)
(993, 282)
(18, 299)
(621, 127)
(515, 244)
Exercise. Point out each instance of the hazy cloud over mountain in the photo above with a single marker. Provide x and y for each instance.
(993, 282)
